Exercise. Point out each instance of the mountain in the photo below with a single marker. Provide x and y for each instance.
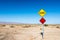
(10, 23)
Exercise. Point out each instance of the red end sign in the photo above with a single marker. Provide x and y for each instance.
(42, 20)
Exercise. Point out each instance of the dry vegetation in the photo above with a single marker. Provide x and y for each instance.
(27, 31)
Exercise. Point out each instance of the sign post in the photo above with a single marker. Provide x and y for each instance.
(42, 20)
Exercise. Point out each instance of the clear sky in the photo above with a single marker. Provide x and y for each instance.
(26, 11)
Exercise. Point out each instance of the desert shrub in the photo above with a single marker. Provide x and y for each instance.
(57, 27)
(26, 26)
(45, 24)
(40, 28)
(3, 25)
(12, 26)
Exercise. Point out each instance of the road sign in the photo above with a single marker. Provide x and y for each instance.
(42, 20)
(42, 12)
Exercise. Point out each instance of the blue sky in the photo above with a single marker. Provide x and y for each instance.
(26, 11)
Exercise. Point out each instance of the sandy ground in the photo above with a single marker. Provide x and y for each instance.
(30, 33)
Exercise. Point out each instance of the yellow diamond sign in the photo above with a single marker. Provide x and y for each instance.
(42, 12)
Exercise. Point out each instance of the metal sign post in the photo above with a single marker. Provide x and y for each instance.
(43, 31)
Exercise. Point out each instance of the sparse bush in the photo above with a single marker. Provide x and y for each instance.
(45, 24)
(3, 25)
(12, 26)
(40, 28)
(57, 27)
(26, 26)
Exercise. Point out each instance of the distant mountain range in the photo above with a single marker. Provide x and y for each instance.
(13, 23)
(10, 23)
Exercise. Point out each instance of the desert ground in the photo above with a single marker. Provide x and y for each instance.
(29, 32)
